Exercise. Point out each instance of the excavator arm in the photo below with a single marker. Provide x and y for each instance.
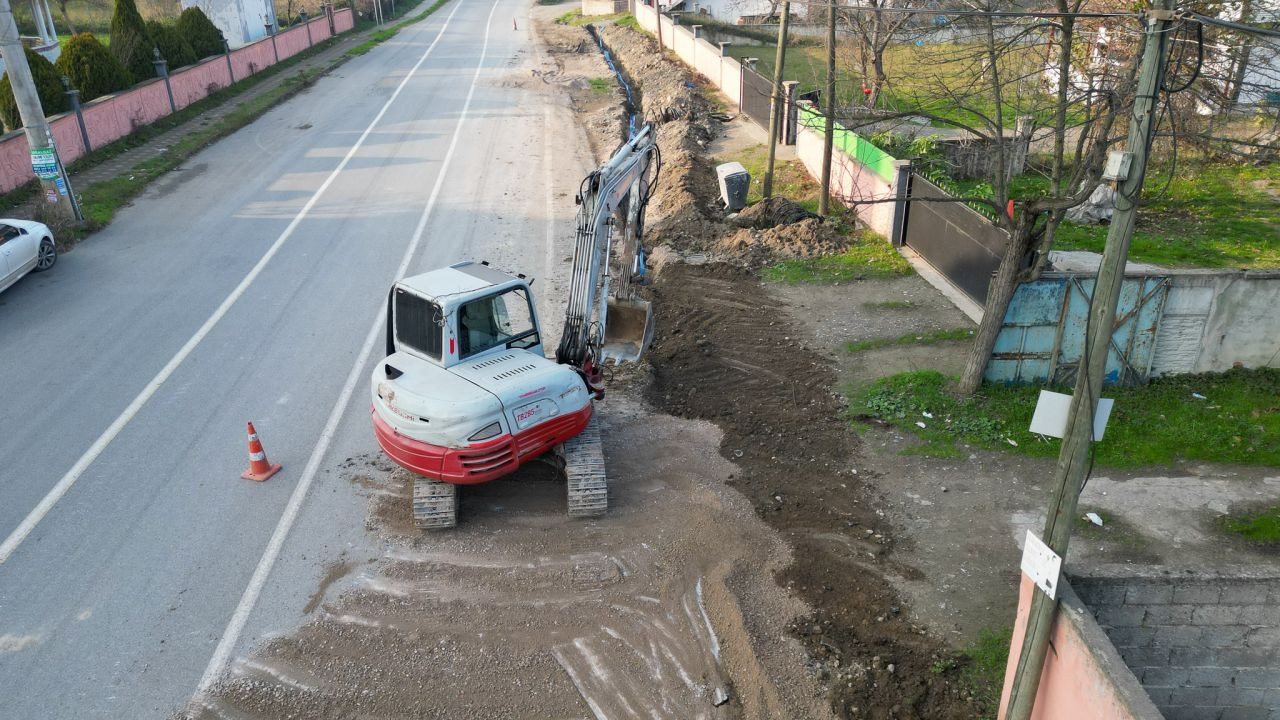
(604, 320)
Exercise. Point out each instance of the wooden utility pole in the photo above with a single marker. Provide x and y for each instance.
(54, 184)
(824, 199)
(1073, 459)
(775, 105)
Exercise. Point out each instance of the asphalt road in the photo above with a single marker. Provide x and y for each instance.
(247, 286)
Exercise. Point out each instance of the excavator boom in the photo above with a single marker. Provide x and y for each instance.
(604, 319)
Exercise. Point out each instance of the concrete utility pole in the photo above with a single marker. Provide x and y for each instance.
(824, 200)
(1073, 459)
(775, 104)
(44, 156)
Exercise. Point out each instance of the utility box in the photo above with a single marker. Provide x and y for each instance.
(735, 181)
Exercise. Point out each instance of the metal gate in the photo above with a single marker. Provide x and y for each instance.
(952, 237)
(1043, 335)
(756, 93)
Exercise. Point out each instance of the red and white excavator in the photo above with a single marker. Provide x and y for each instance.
(466, 394)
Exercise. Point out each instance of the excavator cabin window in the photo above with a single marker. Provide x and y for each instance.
(496, 320)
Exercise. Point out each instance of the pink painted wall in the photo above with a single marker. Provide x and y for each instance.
(252, 58)
(343, 20)
(1084, 676)
(852, 182)
(112, 117)
(195, 82)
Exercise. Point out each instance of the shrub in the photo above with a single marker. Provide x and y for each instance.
(48, 86)
(173, 46)
(205, 37)
(93, 70)
(129, 41)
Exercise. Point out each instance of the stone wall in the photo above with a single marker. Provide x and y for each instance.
(1204, 647)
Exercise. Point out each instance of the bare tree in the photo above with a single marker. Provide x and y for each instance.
(873, 26)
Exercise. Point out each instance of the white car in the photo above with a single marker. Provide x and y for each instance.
(25, 246)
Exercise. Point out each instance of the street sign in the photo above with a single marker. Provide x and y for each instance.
(1050, 416)
(44, 163)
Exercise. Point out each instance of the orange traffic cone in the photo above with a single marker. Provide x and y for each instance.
(259, 468)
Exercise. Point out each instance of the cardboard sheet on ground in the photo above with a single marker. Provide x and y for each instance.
(1050, 417)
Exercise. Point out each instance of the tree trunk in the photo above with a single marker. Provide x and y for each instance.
(999, 294)
(62, 7)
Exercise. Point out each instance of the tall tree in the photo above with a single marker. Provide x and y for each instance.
(130, 43)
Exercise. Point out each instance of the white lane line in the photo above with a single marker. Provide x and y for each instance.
(272, 552)
(46, 504)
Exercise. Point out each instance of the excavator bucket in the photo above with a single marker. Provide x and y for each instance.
(628, 330)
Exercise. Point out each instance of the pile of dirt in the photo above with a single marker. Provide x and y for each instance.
(729, 352)
(808, 238)
(686, 211)
(772, 212)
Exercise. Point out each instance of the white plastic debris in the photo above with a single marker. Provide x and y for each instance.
(1198, 396)
(1094, 518)
(919, 424)
(927, 414)
(1012, 442)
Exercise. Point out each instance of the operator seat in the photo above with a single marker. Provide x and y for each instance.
(475, 327)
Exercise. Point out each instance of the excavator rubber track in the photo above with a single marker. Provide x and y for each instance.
(435, 504)
(584, 469)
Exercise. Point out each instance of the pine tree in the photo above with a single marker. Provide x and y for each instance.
(174, 48)
(205, 37)
(53, 97)
(93, 70)
(130, 43)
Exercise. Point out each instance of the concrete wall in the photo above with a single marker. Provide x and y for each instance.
(707, 60)
(1214, 318)
(1084, 676)
(852, 182)
(603, 7)
(111, 117)
(1205, 647)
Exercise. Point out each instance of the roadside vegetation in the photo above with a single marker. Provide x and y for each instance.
(1199, 213)
(1164, 422)
(932, 337)
(1259, 526)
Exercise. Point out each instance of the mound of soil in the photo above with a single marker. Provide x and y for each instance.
(772, 212)
(808, 238)
(729, 352)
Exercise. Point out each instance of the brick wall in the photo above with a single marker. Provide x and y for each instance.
(1204, 648)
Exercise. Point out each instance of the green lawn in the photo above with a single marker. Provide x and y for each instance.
(934, 79)
(1262, 526)
(1156, 424)
(1212, 215)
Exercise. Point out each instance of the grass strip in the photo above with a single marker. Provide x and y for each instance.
(1261, 526)
(933, 337)
(1231, 417)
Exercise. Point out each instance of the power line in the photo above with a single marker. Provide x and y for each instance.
(1254, 29)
